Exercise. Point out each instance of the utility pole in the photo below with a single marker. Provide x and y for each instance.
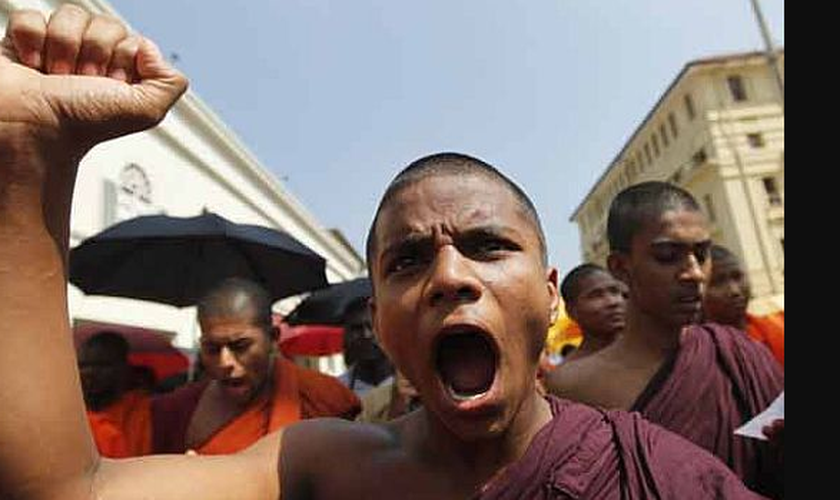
(770, 49)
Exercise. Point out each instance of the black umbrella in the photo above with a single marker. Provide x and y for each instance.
(176, 260)
(327, 306)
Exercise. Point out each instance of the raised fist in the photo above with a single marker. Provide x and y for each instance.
(82, 78)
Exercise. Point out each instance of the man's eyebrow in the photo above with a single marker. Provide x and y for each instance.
(681, 244)
(407, 241)
(490, 230)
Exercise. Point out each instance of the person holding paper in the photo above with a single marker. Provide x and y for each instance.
(700, 381)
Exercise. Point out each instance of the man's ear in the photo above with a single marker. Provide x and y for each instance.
(374, 320)
(618, 264)
(571, 312)
(551, 283)
(274, 334)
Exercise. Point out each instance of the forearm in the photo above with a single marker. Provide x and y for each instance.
(44, 438)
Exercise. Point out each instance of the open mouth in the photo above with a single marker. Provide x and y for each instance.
(234, 383)
(466, 363)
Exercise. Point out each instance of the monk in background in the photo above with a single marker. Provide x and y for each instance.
(368, 367)
(597, 302)
(119, 416)
(701, 382)
(251, 390)
(727, 298)
(463, 297)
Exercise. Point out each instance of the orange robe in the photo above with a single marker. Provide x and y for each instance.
(770, 331)
(297, 393)
(124, 429)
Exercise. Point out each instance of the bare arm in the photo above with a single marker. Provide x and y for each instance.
(250, 475)
(65, 85)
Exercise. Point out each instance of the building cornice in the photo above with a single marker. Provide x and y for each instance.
(692, 66)
(192, 109)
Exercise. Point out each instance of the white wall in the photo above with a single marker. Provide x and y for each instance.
(192, 161)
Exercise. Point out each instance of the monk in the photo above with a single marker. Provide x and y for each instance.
(368, 367)
(119, 417)
(251, 390)
(727, 298)
(462, 299)
(596, 301)
(701, 382)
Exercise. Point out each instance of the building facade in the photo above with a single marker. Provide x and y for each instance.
(190, 163)
(718, 131)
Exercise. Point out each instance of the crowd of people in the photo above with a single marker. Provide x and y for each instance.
(441, 399)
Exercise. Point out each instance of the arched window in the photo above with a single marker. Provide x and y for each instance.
(134, 184)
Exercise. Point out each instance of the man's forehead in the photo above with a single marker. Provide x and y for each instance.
(597, 279)
(726, 265)
(461, 199)
(687, 226)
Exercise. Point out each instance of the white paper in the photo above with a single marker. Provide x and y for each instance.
(753, 428)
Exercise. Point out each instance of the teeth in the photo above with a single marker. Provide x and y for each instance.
(464, 397)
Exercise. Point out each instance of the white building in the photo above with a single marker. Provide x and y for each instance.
(189, 163)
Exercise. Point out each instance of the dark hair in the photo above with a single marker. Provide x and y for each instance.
(569, 287)
(237, 297)
(112, 342)
(442, 164)
(719, 253)
(639, 204)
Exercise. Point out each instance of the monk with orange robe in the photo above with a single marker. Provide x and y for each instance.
(251, 390)
(726, 300)
(120, 418)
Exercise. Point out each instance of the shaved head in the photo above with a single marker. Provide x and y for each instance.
(237, 298)
(452, 164)
(570, 287)
(633, 207)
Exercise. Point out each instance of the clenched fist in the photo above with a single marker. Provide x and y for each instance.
(81, 78)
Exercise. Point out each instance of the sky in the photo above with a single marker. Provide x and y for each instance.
(335, 96)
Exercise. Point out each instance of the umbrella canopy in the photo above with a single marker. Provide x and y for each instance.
(176, 260)
(147, 347)
(310, 340)
(327, 306)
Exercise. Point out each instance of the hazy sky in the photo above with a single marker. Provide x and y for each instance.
(335, 96)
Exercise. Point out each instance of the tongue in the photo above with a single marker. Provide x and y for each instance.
(467, 363)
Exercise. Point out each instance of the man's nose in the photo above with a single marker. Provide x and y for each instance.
(693, 270)
(227, 360)
(452, 278)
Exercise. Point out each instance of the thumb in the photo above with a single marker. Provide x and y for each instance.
(160, 83)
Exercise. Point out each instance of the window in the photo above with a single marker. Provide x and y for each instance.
(710, 208)
(647, 154)
(736, 88)
(656, 150)
(664, 134)
(700, 157)
(772, 189)
(672, 120)
(756, 140)
(689, 107)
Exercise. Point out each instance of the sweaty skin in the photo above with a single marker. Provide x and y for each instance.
(50, 116)
(457, 256)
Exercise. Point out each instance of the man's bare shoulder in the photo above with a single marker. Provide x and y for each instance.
(573, 379)
(329, 454)
(343, 435)
(594, 380)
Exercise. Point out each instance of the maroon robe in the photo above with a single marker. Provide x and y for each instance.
(585, 453)
(718, 380)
